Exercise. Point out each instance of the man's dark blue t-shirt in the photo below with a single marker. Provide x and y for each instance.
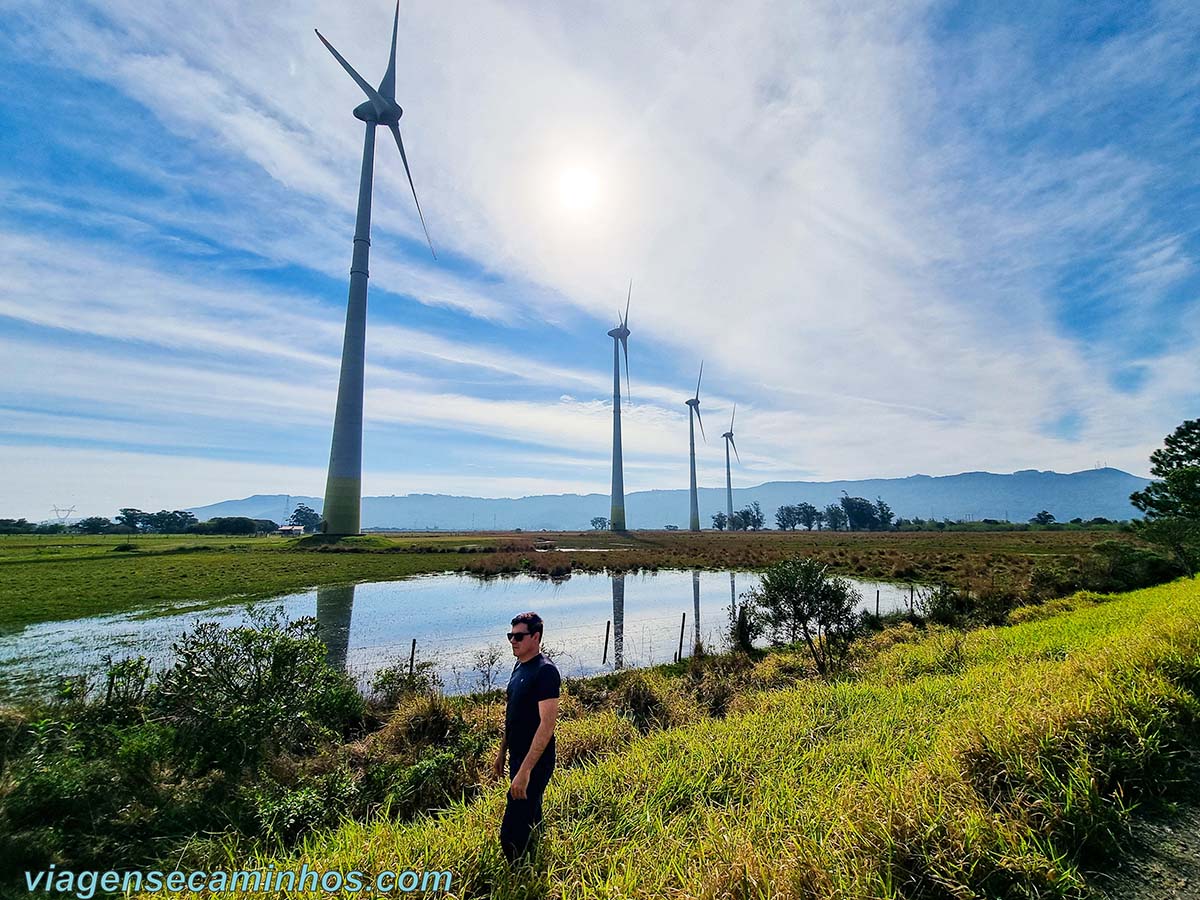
(531, 682)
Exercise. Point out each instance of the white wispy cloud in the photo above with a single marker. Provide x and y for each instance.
(865, 232)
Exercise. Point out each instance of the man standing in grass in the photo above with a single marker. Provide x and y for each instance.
(529, 718)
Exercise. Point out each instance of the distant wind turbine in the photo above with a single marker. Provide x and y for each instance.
(728, 482)
(343, 486)
(620, 336)
(693, 418)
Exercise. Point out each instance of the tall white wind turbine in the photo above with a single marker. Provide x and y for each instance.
(728, 482)
(620, 336)
(343, 486)
(694, 418)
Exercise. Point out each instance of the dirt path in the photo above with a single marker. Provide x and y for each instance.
(1161, 862)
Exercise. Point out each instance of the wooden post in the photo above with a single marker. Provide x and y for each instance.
(679, 654)
(607, 628)
(877, 603)
(412, 658)
(911, 589)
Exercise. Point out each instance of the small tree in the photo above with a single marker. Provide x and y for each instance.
(92, 525)
(132, 518)
(599, 523)
(807, 515)
(860, 513)
(720, 520)
(835, 517)
(786, 518)
(883, 514)
(797, 599)
(305, 517)
(751, 516)
(1172, 503)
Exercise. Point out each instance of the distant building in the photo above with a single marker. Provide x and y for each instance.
(292, 530)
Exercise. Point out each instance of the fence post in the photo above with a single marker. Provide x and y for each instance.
(679, 654)
(911, 589)
(607, 628)
(412, 658)
(877, 603)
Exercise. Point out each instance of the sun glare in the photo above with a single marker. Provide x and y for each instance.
(578, 189)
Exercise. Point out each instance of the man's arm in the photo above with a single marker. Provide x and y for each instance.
(548, 710)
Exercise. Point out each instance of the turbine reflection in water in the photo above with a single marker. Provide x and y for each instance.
(334, 607)
(618, 618)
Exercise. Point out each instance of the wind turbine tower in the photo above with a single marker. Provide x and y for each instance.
(728, 481)
(343, 487)
(620, 336)
(694, 417)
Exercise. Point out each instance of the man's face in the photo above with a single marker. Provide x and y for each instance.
(520, 639)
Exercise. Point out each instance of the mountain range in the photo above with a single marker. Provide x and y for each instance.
(970, 495)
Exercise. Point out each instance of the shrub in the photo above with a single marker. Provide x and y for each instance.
(235, 694)
(797, 599)
(941, 604)
(285, 814)
(393, 684)
(1121, 566)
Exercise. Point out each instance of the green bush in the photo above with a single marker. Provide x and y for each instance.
(1121, 566)
(393, 684)
(122, 774)
(237, 694)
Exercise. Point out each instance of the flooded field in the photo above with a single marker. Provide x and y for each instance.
(594, 623)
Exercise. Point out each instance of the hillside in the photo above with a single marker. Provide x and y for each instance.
(976, 495)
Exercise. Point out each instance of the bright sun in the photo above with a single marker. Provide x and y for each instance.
(578, 189)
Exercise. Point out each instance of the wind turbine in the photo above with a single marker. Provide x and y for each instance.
(343, 487)
(620, 336)
(728, 483)
(694, 417)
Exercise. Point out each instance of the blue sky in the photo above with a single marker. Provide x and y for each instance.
(904, 237)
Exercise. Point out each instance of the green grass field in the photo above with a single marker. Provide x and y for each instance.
(46, 578)
(1000, 762)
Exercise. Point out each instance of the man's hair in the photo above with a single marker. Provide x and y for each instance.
(532, 621)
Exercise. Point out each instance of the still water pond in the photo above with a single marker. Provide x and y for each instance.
(458, 622)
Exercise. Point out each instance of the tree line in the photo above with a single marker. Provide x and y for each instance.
(848, 514)
(165, 521)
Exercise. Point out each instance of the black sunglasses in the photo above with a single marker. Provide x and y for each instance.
(518, 635)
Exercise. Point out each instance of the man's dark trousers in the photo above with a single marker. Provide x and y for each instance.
(522, 816)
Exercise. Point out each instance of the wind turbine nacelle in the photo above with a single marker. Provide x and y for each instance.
(367, 113)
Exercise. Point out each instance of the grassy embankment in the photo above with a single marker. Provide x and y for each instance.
(46, 578)
(1000, 762)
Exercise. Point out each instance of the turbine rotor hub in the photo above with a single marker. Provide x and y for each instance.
(366, 112)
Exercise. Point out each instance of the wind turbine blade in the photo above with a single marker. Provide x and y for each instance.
(625, 319)
(734, 445)
(698, 379)
(372, 94)
(734, 413)
(387, 87)
(701, 421)
(625, 347)
(400, 143)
